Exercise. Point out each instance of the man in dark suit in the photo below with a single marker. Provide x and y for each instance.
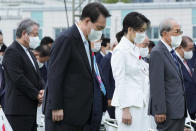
(2, 45)
(167, 96)
(23, 90)
(185, 53)
(105, 47)
(109, 79)
(70, 77)
(99, 98)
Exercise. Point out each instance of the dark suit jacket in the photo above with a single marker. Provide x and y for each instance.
(3, 48)
(190, 89)
(2, 86)
(99, 58)
(99, 100)
(43, 72)
(108, 75)
(23, 82)
(70, 79)
(166, 84)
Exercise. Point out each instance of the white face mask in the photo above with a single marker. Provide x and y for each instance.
(176, 41)
(97, 47)
(34, 42)
(140, 37)
(94, 35)
(188, 54)
(107, 51)
(40, 64)
(144, 52)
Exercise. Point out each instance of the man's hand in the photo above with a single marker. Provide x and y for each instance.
(40, 96)
(109, 102)
(126, 117)
(160, 118)
(57, 115)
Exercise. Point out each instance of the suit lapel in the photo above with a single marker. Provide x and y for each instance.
(82, 49)
(26, 57)
(169, 56)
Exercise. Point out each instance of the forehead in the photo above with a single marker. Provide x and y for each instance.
(175, 25)
(189, 44)
(101, 22)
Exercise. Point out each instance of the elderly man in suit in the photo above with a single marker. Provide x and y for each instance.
(23, 90)
(70, 73)
(167, 96)
(185, 53)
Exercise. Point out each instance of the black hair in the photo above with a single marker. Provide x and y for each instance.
(105, 41)
(151, 44)
(1, 32)
(44, 50)
(134, 20)
(93, 11)
(184, 41)
(46, 40)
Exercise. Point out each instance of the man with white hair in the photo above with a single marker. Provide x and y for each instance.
(23, 90)
(167, 99)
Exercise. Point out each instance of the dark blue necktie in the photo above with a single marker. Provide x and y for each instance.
(175, 59)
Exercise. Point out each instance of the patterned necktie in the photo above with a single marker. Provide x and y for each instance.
(102, 87)
(187, 67)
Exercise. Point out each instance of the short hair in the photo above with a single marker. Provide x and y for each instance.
(46, 40)
(25, 25)
(1, 32)
(44, 50)
(93, 11)
(151, 44)
(105, 41)
(185, 39)
(165, 25)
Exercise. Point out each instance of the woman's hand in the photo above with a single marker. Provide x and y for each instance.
(126, 116)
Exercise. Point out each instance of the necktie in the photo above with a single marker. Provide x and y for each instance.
(175, 58)
(87, 51)
(102, 87)
(187, 67)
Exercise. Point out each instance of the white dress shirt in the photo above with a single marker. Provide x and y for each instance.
(168, 47)
(28, 54)
(86, 44)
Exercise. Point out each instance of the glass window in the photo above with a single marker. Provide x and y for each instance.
(155, 33)
(58, 31)
(106, 32)
(194, 32)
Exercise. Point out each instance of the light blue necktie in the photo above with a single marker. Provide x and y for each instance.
(86, 45)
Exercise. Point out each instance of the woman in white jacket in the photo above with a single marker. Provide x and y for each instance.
(130, 72)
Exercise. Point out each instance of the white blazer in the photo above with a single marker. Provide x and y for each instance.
(131, 76)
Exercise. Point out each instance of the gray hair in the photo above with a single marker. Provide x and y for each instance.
(166, 25)
(25, 25)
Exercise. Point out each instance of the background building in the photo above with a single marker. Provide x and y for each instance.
(51, 15)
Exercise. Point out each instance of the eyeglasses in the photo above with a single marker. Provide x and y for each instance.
(178, 32)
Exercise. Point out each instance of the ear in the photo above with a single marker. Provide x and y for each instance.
(164, 33)
(130, 30)
(23, 33)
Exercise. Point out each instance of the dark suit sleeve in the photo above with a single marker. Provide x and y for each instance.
(157, 90)
(13, 66)
(59, 59)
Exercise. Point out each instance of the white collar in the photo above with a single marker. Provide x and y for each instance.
(168, 47)
(128, 42)
(102, 53)
(179, 57)
(81, 33)
(25, 49)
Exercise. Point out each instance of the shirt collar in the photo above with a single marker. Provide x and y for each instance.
(102, 53)
(128, 42)
(179, 56)
(81, 33)
(22, 46)
(167, 46)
